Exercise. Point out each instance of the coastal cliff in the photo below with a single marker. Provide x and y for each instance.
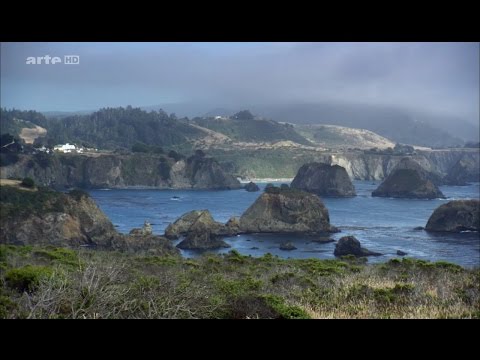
(122, 171)
(379, 166)
(285, 162)
(41, 216)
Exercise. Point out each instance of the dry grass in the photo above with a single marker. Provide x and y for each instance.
(95, 284)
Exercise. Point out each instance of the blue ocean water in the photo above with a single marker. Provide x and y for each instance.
(384, 225)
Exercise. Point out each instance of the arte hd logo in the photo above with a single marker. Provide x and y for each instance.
(53, 60)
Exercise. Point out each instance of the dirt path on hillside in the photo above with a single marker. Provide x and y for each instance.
(30, 134)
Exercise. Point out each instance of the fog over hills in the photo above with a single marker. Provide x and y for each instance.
(396, 124)
(421, 93)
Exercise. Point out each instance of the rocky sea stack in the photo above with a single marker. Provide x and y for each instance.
(286, 211)
(324, 180)
(251, 187)
(456, 216)
(409, 180)
(200, 235)
(201, 231)
(190, 223)
(349, 245)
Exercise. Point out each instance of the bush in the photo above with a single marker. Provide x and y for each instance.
(28, 182)
(272, 189)
(140, 147)
(78, 194)
(285, 311)
(26, 278)
(176, 156)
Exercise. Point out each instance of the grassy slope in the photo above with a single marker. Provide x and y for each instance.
(331, 136)
(253, 130)
(266, 163)
(60, 283)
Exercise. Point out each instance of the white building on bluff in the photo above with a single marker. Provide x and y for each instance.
(65, 148)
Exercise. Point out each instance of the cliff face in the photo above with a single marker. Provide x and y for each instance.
(378, 167)
(324, 180)
(46, 217)
(49, 217)
(118, 171)
(463, 172)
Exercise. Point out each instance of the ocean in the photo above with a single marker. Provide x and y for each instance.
(383, 225)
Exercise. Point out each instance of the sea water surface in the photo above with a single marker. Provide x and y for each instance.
(383, 225)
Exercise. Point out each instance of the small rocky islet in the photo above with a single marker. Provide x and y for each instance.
(324, 180)
(409, 180)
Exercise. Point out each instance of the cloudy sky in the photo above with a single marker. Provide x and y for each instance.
(441, 78)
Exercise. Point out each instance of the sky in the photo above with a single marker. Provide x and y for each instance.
(440, 78)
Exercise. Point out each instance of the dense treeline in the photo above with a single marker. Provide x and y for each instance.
(108, 128)
(12, 121)
(112, 128)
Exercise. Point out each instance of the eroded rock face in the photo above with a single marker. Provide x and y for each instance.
(463, 172)
(232, 227)
(71, 220)
(409, 180)
(57, 219)
(120, 171)
(202, 241)
(286, 211)
(182, 225)
(324, 180)
(455, 216)
(206, 173)
(349, 245)
(203, 234)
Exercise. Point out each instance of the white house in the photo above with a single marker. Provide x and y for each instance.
(65, 148)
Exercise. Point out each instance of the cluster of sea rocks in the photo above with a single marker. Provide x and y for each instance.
(295, 209)
(298, 209)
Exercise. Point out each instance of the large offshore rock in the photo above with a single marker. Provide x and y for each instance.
(286, 211)
(455, 216)
(408, 180)
(324, 180)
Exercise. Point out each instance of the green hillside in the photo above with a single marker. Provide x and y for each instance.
(252, 130)
(113, 128)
